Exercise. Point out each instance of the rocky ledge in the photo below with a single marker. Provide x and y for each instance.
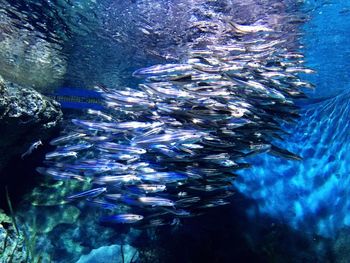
(26, 116)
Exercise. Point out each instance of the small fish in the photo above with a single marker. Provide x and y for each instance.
(156, 201)
(165, 177)
(284, 153)
(96, 166)
(59, 154)
(148, 188)
(245, 29)
(121, 219)
(97, 126)
(121, 156)
(100, 114)
(89, 193)
(137, 125)
(162, 69)
(114, 147)
(168, 138)
(32, 147)
(97, 138)
(116, 179)
(67, 138)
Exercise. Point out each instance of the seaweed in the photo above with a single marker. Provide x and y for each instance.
(12, 215)
(29, 240)
(133, 257)
(13, 253)
(5, 242)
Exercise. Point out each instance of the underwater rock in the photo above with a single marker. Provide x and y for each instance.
(111, 253)
(26, 116)
(11, 242)
(27, 58)
(58, 215)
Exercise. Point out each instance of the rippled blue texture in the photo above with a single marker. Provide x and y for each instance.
(312, 195)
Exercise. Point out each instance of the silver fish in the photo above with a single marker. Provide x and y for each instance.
(114, 147)
(149, 188)
(67, 138)
(166, 177)
(163, 69)
(127, 178)
(122, 219)
(60, 154)
(100, 114)
(89, 193)
(156, 201)
(32, 147)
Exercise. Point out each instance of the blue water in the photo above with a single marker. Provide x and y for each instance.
(311, 195)
(283, 208)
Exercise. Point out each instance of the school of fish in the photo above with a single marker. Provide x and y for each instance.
(169, 148)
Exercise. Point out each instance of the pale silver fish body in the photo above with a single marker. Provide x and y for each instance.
(89, 193)
(299, 70)
(114, 100)
(96, 166)
(206, 77)
(122, 218)
(121, 156)
(67, 138)
(163, 177)
(57, 154)
(114, 147)
(97, 138)
(137, 125)
(263, 47)
(151, 188)
(31, 148)
(93, 125)
(100, 114)
(108, 179)
(216, 157)
(228, 48)
(167, 138)
(163, 69)
(156, 201)
(146, 170)
(246, 29)
(192, 146)
(164, 89)
(58, 174)
(302, 84)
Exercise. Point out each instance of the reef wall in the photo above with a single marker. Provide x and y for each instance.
(26, 117)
